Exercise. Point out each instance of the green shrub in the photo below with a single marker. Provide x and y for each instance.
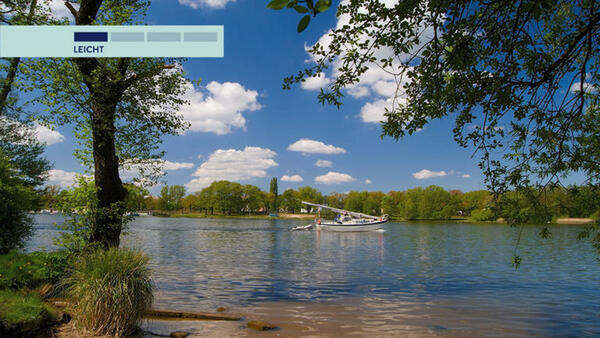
(110, 291)
(17, 198)
(24, 315)
(19, 270)
(485, 214)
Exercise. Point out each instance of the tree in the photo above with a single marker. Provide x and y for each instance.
(354, 200)
(120, 107)
(336, 200)
(49, 197)
(290, 201)
(523, 69)
(253, 198)
(274, 193)
(227, 197)
(17, 198)
(309, 194)
(189, 202)
(520, 78)
(171, 197)
(136, 197)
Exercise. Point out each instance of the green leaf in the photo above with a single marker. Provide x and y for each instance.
(277, 4)
(322, 5)
(303, 23)
(301, 9)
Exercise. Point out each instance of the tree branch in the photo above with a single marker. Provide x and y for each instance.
(71, 9)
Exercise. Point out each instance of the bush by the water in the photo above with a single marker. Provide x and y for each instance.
(485, 214)
(19, 270)
(24, 315)
(110, 290)
(17, 198)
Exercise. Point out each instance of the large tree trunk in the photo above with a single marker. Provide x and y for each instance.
(111, 194)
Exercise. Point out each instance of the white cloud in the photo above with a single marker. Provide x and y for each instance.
(373, 112)
(587, 87)
(62, 178)
(317, 82)
(47, 135)
(195, 4)
(309, 146)
(293, 178)
(466, 176)
(333, 177)
(368, 181)
(358, 91)
(233, 165)
(323, 163)
(168, 165)
(424, 174)
(134, 171)
(383, 87)
(220, 109)
(59, 10)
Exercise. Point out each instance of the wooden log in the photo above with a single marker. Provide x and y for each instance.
(261, 325)
(170, 314)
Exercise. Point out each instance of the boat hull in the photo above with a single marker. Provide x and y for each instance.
(351, 227)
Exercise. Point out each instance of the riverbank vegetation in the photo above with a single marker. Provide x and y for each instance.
(231, 199)
(25, 281)
(110, 290)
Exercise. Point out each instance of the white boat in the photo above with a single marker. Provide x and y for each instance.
(344, 221)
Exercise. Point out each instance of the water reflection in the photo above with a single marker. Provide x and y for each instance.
(413, 279)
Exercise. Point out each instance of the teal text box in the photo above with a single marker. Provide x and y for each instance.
(123, 41)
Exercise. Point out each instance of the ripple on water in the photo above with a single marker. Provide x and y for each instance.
(411, 280)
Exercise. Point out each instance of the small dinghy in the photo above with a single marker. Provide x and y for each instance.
(344, 221)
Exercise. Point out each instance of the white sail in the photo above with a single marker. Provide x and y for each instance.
(341, 211)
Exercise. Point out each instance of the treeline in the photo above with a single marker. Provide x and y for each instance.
(433, 202)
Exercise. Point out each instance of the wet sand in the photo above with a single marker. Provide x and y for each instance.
(365, 317)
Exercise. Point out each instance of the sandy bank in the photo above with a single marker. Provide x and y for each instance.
(574, 220)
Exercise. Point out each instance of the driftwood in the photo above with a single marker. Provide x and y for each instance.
(61, 304)
(170, 314)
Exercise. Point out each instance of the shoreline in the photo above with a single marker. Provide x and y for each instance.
(557, 221)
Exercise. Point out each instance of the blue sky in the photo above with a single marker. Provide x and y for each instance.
(245, 128)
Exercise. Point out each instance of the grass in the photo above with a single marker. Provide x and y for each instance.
(19, 270)
(24, 315)
(110, 291)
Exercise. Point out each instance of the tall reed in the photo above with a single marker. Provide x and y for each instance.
(110, 291)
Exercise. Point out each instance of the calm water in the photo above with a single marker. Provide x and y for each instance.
(416, 279)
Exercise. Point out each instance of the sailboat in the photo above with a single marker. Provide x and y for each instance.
(345, 220)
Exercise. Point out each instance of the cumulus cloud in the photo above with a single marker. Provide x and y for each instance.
(293, 178)
(219, 107)
(59, 10)
(168, 165)
(323, 163)
(333, 177)
(195, 4)
(233, 165)
(317, 82)
(62, 178)
(466, 176)
(373, 112)
(47, 135)
(309, 146)
(383, 87)
(425, 174)
(587, 87)
(136, 170)
(368, 181)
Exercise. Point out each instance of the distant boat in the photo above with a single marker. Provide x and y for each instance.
(345, 220)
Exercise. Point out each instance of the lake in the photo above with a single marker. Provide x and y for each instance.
(415, 279)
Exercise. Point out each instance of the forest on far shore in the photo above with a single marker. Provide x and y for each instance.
(432, 202)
